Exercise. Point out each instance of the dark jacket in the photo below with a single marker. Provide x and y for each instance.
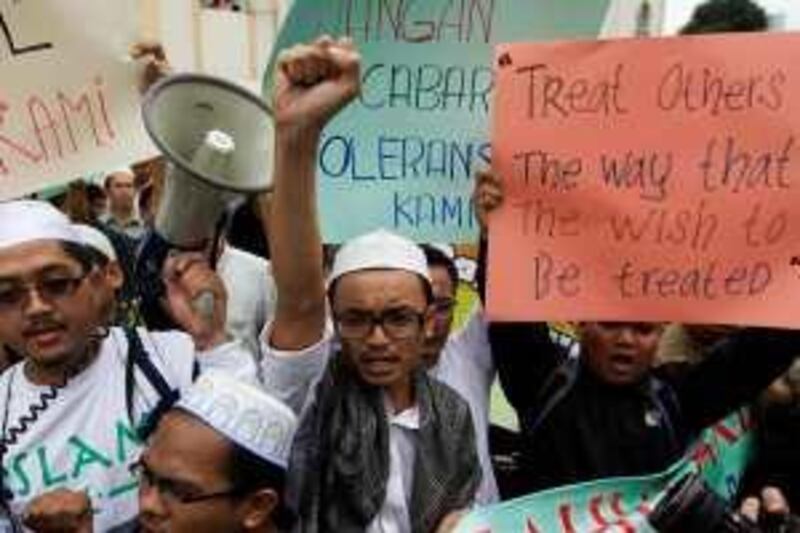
(598, 430)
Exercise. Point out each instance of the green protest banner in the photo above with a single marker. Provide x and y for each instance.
(623, 504)
(403, 156)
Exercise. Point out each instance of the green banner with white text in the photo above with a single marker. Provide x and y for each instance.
(720, 456)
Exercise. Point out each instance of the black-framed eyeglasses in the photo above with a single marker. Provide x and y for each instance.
(173, 491)
(51, 288)
(397, 324)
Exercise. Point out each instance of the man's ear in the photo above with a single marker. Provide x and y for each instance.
(115, 276)
(258, 508)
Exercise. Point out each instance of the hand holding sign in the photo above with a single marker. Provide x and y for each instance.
(487, 196)
(154, 60)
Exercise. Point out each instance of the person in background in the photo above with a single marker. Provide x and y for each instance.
(122, 217)
(98, 202)
(77, 205)
(462, 359)
(607, 414)
(112, 277)
(82, 391)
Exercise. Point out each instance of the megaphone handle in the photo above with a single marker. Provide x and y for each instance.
(203, 304)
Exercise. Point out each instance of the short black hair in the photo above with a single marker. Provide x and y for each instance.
(717, 16)
(80, 253)
(437, 258)
(248, 473)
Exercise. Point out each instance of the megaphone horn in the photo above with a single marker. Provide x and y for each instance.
(217, 138)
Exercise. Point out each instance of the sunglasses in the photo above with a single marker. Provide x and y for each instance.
(14, 294)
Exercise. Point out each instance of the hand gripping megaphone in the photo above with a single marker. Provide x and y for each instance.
(217, 140)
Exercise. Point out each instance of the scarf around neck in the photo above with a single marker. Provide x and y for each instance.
(339, 467)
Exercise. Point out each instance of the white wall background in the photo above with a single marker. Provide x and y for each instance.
(232, 45)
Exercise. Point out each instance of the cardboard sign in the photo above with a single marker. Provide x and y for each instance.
(648, 180)
(720, 456)
(404, 155)
(69, 105)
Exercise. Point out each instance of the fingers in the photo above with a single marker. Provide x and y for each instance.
(178, 264)
(488, 189)
(148, 48)
(306, 65)
(487, 196)
(191, 272)
(450, 521)
(325, 58)
(59, 510)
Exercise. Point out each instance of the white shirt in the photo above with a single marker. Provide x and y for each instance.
(83, 439)
(466, 365)
(292, 376)
(393, 516)
(251, 295)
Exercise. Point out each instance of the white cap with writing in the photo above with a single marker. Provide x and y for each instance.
(244, 414)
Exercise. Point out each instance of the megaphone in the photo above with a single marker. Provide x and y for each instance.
(217, 139)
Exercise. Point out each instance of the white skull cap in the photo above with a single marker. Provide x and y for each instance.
(379, 250)
(97, 240)
(23, 221)
(244, 414)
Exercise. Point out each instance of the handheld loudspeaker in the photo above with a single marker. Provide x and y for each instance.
(217, 139)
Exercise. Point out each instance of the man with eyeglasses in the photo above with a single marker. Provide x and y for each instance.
(71, 410)
(217, 462)
(381, 446)
(462, 359)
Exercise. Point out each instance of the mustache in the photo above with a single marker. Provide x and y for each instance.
(42, 323)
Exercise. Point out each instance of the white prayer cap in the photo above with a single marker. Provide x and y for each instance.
(379, 250)
(97, 240)
(243, 413)
(23, 221)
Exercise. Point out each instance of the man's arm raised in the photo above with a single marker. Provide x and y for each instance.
(313, 82)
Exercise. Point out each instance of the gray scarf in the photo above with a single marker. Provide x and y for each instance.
(340, 459)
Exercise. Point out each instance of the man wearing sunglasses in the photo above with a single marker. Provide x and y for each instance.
(70, 410)
(381, 446)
